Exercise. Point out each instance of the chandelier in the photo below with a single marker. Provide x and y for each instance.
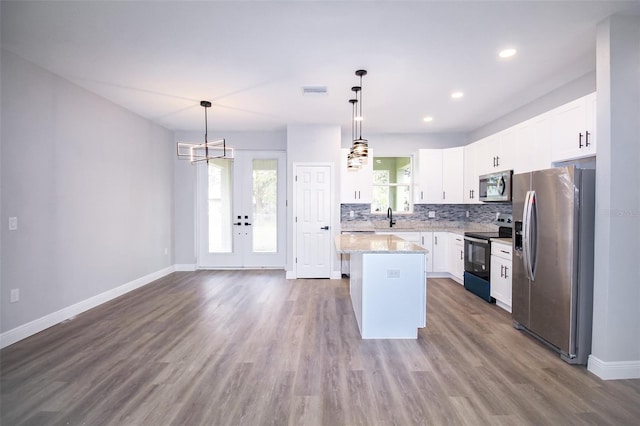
(197, 152)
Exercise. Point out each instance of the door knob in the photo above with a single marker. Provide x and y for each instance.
(326, 228)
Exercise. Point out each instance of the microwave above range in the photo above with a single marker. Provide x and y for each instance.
(496, 187)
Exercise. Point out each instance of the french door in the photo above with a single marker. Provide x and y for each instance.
(241, 211)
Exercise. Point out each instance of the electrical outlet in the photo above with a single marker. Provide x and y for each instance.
(393, 273)
(497, 215)
(15, 295)
(467, 213)
(13, 223)
(432, 214)
(352, 214)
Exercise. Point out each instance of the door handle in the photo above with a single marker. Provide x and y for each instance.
(325, 228)
(247, 224)
(237, 224)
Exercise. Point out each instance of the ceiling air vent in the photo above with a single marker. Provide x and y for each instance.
(314, 90)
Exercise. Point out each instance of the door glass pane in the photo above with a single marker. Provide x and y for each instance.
(219, 197)
(265, 206)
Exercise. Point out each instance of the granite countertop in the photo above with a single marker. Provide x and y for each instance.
(371, 243)
(506, 241)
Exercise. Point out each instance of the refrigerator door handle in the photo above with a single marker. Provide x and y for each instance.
(526, 237)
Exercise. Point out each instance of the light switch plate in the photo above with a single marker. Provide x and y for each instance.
(13, 223)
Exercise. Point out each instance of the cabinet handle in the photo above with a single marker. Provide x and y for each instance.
(359, 196)
(586, 138)
(505, 272)
(461, 255)
(443, 196)
(497, 161)
(494, 161)
(501, 271)
(580, 140)
(422, 239)
(421, 195)
(355, 195)
(504, 251)
(436, 239)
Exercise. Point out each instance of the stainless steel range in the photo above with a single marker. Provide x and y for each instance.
(477, 258)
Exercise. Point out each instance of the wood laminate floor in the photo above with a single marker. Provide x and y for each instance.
(252, 348)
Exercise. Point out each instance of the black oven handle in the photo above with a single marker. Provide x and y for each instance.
(476, 240)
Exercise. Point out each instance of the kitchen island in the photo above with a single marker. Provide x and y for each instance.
(387, 285)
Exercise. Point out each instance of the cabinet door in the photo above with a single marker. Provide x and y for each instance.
(573, 130)
(501, 281)
(440, 255)
(453, 175)
(506, 149)
(431, 162)
(470, 190)
(533, 144)
(420, 176)
(487, 151)
(356, 185)
(456, 255)
(426, 241)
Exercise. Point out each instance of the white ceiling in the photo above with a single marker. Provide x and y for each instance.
(251, 59)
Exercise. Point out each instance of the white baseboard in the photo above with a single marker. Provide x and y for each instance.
(29, 329)
(615, 370)
(336, 275)
(291, 275)
(185, 267)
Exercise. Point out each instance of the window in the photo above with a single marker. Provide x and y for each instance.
(392, 185)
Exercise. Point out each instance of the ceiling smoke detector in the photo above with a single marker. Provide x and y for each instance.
(314, 90)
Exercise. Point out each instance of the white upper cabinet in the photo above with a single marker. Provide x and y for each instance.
(470, 188)
(356, 185)
(453, 175)
(533, 148)
(428, 176)
(573, 129)
(439, 176)
(496, 152)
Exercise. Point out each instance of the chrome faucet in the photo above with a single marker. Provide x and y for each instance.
(390, 217)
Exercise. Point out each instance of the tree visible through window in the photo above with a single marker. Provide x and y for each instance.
(392, 184)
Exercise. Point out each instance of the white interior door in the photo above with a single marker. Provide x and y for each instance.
(242, 212)
(313, 221)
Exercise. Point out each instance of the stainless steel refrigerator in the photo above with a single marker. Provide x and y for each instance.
(553, 213)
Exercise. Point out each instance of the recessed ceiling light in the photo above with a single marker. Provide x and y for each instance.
(457, 95)
(507, 53)
(427, 119)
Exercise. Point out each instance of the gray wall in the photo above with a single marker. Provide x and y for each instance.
(91, 185)
(400, 144)
(567, 93)
(616, 328)
(313, 144)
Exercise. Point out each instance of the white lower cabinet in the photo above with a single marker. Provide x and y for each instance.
(501, 260)
(440, 258)
(456, 256)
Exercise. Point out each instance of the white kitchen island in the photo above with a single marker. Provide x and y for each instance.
(388, 285)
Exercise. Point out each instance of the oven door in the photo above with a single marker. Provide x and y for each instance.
(477, 257)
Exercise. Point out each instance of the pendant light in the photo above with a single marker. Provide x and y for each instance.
(353, 161)
(360, 145)
(197, 152)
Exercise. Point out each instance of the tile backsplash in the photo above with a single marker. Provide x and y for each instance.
(478, 213)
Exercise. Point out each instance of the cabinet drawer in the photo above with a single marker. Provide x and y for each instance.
(501, 250)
